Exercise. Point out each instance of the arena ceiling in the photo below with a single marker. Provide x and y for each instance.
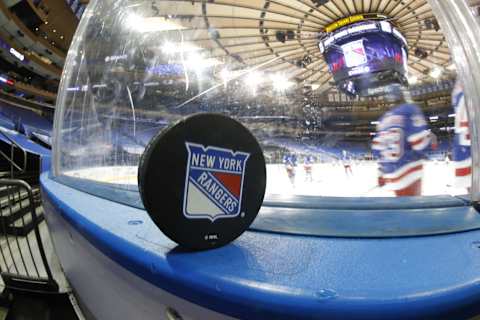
(283, 35)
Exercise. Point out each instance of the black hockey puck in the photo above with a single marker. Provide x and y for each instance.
(203, 180)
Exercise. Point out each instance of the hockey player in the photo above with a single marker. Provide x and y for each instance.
(462, 158)
(347, 163)
(290, 162)
(307, 166)
(400, 143)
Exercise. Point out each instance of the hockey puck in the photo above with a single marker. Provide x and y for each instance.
(203, 180)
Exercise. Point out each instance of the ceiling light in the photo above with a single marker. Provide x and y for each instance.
(252, 80)
(169, 48)
(280, 82)
(133, 21)
(195, 61)
(46, 22)
(17, 54)
(412, 80)
(54, 30)
(452, 67)
(226, 75)
(436, 73)
(198, 63)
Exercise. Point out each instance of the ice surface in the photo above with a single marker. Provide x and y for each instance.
(328, 179)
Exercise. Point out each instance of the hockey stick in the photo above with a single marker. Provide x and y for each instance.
(371, 189)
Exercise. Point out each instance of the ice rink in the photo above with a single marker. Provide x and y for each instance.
(329, 179)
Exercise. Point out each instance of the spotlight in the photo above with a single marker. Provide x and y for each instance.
(280, 36)
(432, 24)
(306, 61)
(428, 24)
(420, 53)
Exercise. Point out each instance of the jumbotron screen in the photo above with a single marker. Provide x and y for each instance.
(365, 56)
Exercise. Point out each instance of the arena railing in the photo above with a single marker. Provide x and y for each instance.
(11, 158)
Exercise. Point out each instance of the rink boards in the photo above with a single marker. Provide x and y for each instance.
(120, 265)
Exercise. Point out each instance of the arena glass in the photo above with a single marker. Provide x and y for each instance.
(134, 69)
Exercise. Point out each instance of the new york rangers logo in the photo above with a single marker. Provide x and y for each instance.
(214, 182)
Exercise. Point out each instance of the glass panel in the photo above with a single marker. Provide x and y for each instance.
(344, 104)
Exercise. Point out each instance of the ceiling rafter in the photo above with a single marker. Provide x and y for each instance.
(256, 29)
